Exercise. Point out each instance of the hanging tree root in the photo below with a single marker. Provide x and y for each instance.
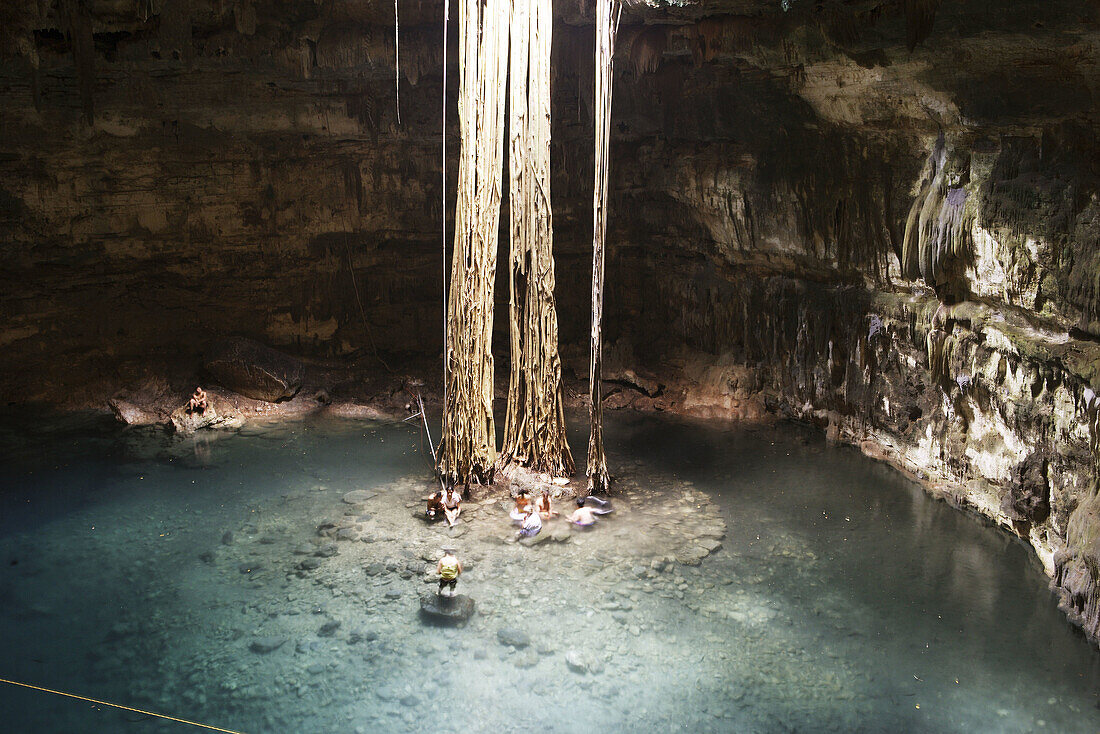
(607, 24)
(468, 450)
(534, 432)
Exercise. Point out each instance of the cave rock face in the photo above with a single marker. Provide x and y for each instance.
(256, 371)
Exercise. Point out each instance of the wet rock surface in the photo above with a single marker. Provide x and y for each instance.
(445, 609)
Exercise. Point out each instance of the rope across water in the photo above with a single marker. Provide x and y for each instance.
(209, 727)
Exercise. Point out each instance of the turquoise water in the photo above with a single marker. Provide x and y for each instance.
(147, 571)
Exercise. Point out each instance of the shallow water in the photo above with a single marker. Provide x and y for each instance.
(842, 598)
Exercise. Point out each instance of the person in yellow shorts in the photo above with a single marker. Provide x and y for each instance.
(449, 569)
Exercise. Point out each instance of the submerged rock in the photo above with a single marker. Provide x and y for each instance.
(513, 637)
(264, 645)
(576, 661)
(446, 609)
(358, 496)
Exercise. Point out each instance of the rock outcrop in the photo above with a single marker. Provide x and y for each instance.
(254, 370)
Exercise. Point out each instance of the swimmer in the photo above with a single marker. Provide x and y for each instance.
(586, 516)
(532, 524)
(435, 509)
(519, 512)
(543, 505)
(452, 505)
(449, 569)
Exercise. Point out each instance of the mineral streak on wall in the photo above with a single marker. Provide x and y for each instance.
(795, 188)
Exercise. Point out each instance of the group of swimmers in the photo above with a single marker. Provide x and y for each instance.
(447, 504)
(530, 515)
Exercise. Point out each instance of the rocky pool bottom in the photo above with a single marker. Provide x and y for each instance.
(749, 580)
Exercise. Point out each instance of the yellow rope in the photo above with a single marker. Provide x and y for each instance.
(118, 706)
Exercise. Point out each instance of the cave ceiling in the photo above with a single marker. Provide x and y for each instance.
(923, 65)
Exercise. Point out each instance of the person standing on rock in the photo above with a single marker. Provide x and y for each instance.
(449, 569)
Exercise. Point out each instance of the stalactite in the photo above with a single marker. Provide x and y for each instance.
(727, 34)
(468, 450)
(607, 23)
(940, 347)
(937, 229)
(919, 17)
(534, 432)
(79, 18)
(647, 49)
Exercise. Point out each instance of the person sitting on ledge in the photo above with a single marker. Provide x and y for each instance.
(519, 512)
(543, 505)
(532, 524)
(449, 568)
(197, 404)
(452, 501)
(435, 509)
(586, 516)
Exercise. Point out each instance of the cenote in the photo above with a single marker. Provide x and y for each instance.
(167, 575)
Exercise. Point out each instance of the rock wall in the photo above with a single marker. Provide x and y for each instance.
(889, 250)
(879, 216)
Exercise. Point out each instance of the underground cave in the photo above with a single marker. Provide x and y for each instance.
(577, 366)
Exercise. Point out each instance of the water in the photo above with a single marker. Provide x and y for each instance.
(841, 598)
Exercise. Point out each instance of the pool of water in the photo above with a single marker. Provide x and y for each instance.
(156, 573)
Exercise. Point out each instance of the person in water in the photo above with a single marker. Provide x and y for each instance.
(586, 516)
(197, 404)
(452, 505)
(532, 524)
(435, 509)
(449, 569)
(543, 505)
(523, 503)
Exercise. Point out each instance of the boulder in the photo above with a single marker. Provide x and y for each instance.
(186, 423)
(131, 414)
(254, 370)
(439, 609)
(533, 540)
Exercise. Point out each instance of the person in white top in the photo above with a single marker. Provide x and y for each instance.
(452, 505)
(532, 524)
